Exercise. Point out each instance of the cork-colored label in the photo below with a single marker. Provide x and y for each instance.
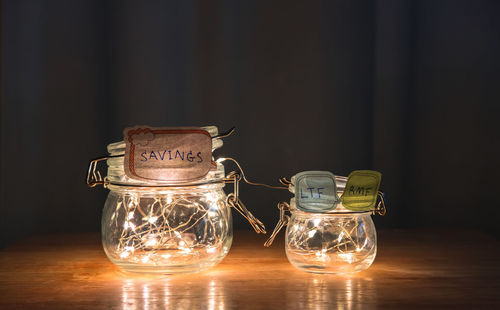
(167, 154)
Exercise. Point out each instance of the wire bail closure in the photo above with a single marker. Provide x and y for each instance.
(380, 209)
(283, 221)
(95, 178)
(234, 201)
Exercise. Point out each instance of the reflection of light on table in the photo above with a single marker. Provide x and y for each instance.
(319, 293)
(166, 294)
(145, 296)
(139, 294)
(72, 272)
(348, 293)
(329, 292)
(128, 297)
(211, 296)
(215, 296)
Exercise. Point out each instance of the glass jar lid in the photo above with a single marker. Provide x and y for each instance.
(340, 182)
(116, 174)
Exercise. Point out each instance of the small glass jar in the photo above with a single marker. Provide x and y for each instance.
(162, 227)
(335, 240)
(339, 241)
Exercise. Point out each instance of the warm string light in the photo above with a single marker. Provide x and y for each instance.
(162, 230)
(345, 246)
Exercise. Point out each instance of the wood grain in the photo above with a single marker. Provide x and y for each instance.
(413, 269)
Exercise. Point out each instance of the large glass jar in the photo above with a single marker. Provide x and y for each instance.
(339, 241)
(162, 227)
(167, 230)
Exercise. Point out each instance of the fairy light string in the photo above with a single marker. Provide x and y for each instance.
(165, 227)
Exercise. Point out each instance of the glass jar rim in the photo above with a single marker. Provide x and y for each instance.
(176, 187)
(339, 210)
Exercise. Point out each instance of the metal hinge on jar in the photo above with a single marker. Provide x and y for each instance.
(94, 176)
(283, 221)
(234, 200)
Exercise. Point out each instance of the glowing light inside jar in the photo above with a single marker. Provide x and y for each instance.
(152, 219)
(158, 230)
(340, 237)
(348, 257)
(212, 213)
(151, 241)
(312, 233)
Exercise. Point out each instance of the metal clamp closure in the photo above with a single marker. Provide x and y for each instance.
(380, 209)
(94, 176)
(234, 201)
(283, 221)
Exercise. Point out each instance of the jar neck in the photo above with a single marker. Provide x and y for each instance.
(298, 213)
(338, 211)
(117, 176)
(174, 189)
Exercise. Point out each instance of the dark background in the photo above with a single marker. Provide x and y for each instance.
(409, 88)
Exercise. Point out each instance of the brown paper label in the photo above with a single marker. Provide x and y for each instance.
(167, 154)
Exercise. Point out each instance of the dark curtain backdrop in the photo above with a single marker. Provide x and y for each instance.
(409, 88)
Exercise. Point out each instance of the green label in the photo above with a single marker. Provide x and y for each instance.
(360, 193)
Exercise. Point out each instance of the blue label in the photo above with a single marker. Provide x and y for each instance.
(315, 191)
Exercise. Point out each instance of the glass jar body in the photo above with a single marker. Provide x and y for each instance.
(166, 230)
(331, 242)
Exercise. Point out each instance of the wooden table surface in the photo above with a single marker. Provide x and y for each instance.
(413, 269)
